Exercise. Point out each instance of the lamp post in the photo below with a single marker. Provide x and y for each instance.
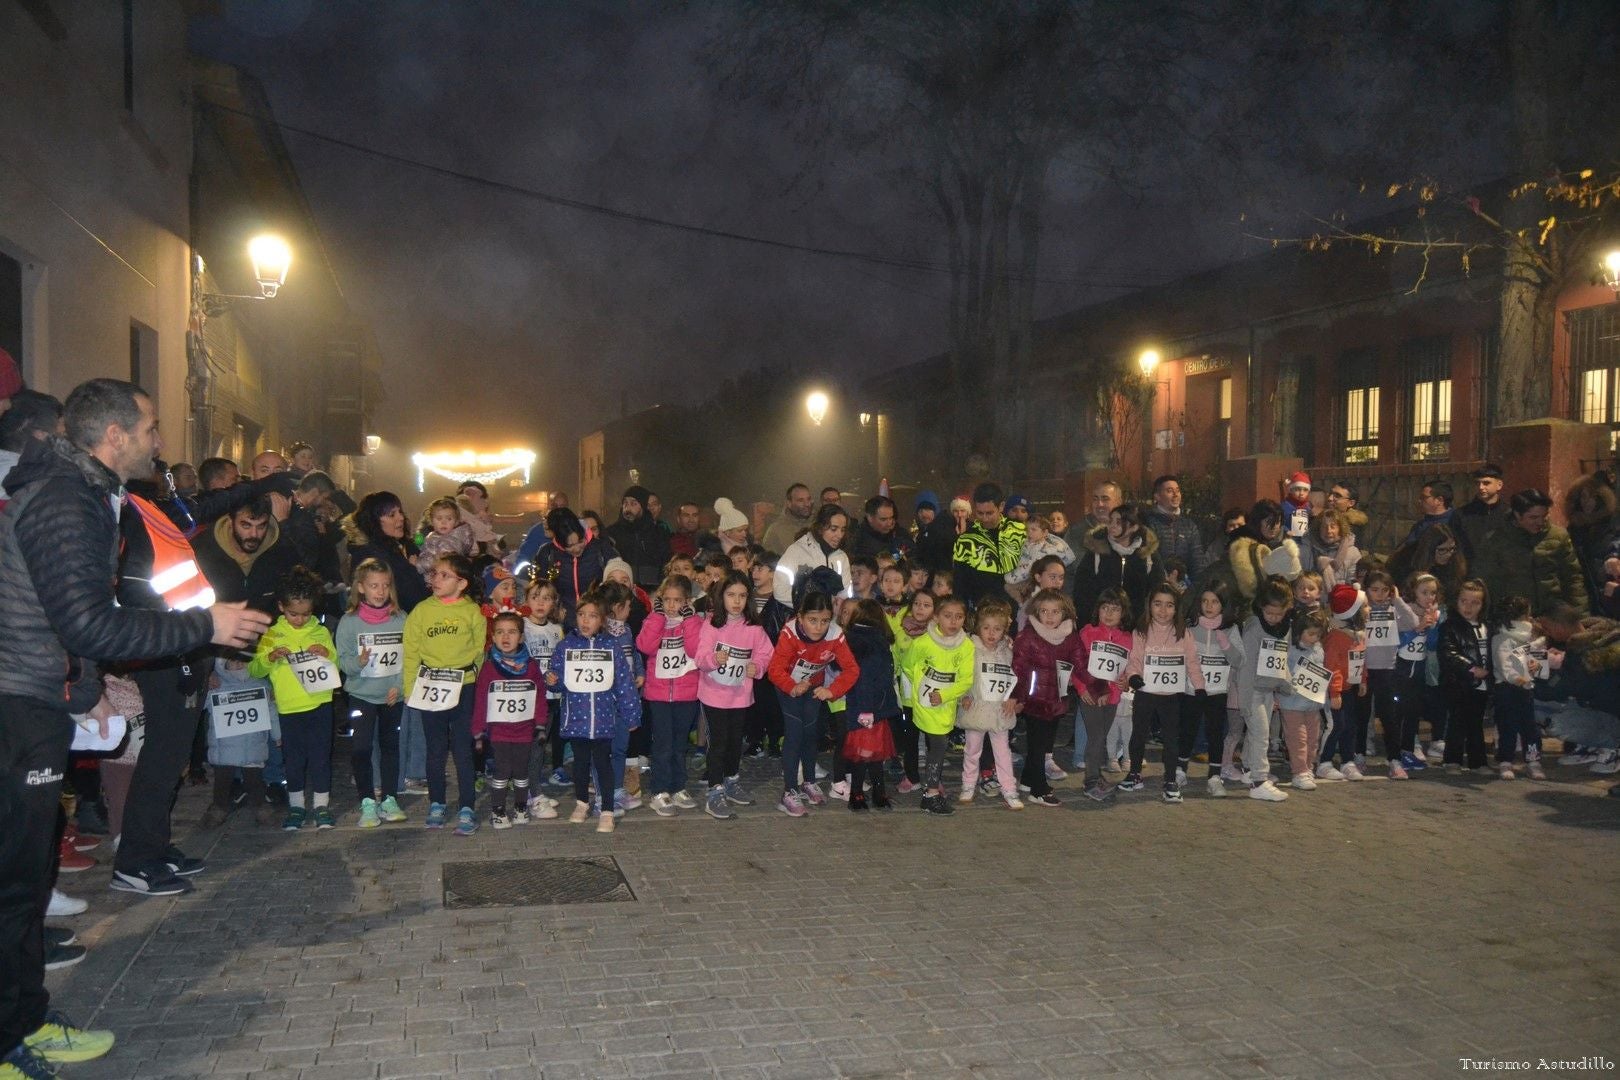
(1611, 271)
(815, 403)
(270, 257)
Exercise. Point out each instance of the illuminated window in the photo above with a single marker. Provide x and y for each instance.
(1428, 363)
(1356, 412)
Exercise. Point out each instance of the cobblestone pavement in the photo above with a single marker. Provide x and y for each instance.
(1374, 929)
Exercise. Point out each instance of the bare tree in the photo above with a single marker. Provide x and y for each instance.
(974, 103)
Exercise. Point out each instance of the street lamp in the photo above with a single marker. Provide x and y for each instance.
(815, 403)
(1148, 361)
(1611, 271)
(866, 419)
(270, 257)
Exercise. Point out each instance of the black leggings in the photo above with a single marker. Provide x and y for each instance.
(905, 740)
(764, 721)
(1163, 711)
(599, 754)
(725, 744)
(937, 745)
(511, 771)
(379, 725)
(1465, 735)
(1038, 737)
(1211, 710)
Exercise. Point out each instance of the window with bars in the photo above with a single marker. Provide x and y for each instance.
(1594, 365)
(1357, 407)
(1427, 362)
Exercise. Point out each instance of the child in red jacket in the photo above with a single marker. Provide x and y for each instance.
(508, 705)
(1102, 651)
(810, 643)
(1043, 664)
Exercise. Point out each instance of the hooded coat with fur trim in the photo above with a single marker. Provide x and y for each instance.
(1250, 561)
(1591, 530)
(1099, 567)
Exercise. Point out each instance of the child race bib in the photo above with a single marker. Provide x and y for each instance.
(387, 654)
(1414, 649)
(316, 674)
(588, 671)
(1216, 671)
(1107, 661)
(735, 669)
(1271, 662)
(436, 689)
(1356, 666)
(1310, 682)
(1065, 674)
(933, 681)
(1538, 653)
(1299, 523)
(804, 669)
(1380, 629)
(671, 660)
(239, 712)
(995, 681)
(1163, 674)
(510, 701)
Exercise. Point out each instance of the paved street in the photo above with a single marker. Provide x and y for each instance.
(1370, 930)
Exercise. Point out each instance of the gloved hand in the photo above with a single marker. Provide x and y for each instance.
(1134, 682)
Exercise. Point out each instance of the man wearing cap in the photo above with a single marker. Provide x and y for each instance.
(933, 534)
(1016, 508)
(1486, 513)
(1178, 536)
(639, 540)
(1296, 507)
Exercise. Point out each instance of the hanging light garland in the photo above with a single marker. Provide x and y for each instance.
(467, 465)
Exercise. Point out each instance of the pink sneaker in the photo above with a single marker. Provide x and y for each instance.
(1396, 772)
(813, 793)
(906, 787)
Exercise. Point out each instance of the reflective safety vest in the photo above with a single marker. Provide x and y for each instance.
(175, 574)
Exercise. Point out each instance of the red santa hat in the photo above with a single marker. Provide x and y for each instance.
(1300, 479)
(1344, 601)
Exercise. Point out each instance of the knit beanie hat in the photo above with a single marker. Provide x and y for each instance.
(928, 499)
(960, 503)
(1344, 601)
(730, 516)
(617, 564)
(638, 493)
(494, 575)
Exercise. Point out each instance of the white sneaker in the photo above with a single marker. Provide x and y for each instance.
(542, 809)
(605, 823)
(1326, 771)
(1053, 772)
(966, 796)
(1232, 774)
(1535, 771)
(1504, 771)
(1217, 789)
(662, 805)
(683, 800)
(582, 810)
(1268, 792)
(1303, 782)
(1181, 776)
(62, 904)
(840, 791)
(1608, 762)
(1581, 757)
(1352, 771)
(1436, 751)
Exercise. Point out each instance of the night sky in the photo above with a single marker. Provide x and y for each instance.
(548, 318)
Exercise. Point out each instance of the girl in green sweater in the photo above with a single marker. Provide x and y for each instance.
(296, 655)
(444, 645)
(939, 665)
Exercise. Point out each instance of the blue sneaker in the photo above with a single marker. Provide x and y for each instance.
(466, 822)
(559, 778)
(1411, 762)
(435, 818)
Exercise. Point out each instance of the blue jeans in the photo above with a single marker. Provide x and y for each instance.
(801, 720)
(671, 732)
(412, 748)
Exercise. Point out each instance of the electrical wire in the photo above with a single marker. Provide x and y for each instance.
(618, 214)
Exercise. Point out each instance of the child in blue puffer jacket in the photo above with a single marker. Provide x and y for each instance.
(599, 699)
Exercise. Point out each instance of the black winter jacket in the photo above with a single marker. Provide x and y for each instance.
(58, 565)
(1461, 648)
(258, 586)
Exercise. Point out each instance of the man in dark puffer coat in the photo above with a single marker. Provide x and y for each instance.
(58, 562)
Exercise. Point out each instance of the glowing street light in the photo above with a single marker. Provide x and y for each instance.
(815, 403)
(270, 256)
(1611, 271)
(1148, 361)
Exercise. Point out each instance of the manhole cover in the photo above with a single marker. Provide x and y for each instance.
(593, 879)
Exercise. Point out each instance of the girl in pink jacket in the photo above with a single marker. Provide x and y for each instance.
(1162, 664)
(669, 640)
(732, 651)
